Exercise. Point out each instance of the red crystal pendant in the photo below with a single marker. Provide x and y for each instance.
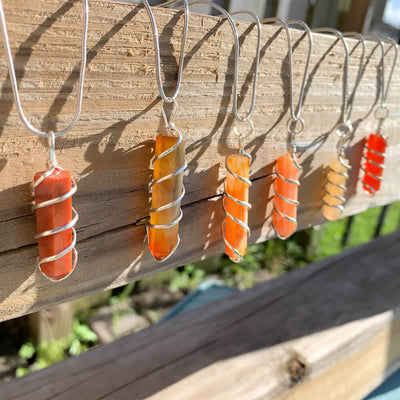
(374, 155)
(57, 184)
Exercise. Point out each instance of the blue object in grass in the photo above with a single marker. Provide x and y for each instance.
(207, 292)
(389, 390)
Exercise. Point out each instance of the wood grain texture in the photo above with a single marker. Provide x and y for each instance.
(109, 152)
(328, 331)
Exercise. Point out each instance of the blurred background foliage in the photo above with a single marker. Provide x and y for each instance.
(101, 318)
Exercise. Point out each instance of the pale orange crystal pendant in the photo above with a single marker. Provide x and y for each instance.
(285, 200)
(234, 233)
(335, 189)
(163, 240)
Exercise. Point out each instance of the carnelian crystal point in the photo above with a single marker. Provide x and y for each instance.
(163, 241)
(235, 234)
(288, 169)
(51, 217)
(376, 143)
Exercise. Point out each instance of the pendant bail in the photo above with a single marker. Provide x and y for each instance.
(169, 124)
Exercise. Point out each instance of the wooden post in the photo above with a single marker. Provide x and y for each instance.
(353, 19)
(52, 323)
(292, 9)
(325, 14)
(257, 7)
(373, 16)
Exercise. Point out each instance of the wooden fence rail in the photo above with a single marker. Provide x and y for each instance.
(109, 152)
(329, 331)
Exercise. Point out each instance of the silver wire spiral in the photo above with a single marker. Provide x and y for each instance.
(284, 198)
(380, 165)
(55, 231)
(329, 183)
(176, 133)
(237, 201)
(51, 136)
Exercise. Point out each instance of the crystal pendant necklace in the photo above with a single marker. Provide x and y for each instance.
(169, 162)
(53, 188)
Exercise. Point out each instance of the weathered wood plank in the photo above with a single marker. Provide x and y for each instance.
(330, 330)
(110, 150)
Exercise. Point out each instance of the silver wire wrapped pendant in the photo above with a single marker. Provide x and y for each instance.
(374, 163)
(235, 229)
(55, 220)
(167, 191)
(284, 216)
(335, 189)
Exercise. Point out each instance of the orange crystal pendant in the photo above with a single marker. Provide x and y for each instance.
(51, 217)
(285, 199)
(374, 155)
(335, 188)
(235, 234)
(163, 241)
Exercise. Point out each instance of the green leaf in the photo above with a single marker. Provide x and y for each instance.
(84, 333)
(127, 291)
(153, 315)
(179, 282)
(76, 348)
(42, 363)
(27, 351)
(51, 352)
(21, 371)
(189, 268)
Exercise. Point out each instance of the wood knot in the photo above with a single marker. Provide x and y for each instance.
(297, 369)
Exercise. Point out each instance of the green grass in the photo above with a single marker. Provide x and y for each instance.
(48, 353)
(362, 230)
(392, 218)
(302, 248)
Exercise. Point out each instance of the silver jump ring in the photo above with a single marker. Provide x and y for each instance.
(241, 135)
(294, 130)
(343, 130)
(381, 112)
